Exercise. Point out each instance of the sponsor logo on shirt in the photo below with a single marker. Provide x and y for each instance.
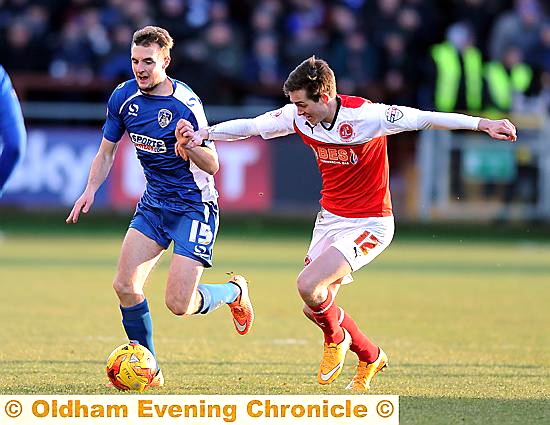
(164, 117)
(393, 113)
(345, 130)
(340, 156)
(148, 144)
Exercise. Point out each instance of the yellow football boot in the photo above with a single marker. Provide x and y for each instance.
(366, 371)
(333, 360)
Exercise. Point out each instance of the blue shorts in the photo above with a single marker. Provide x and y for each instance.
(193, 231)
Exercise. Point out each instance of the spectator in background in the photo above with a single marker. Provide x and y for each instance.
(357, 64)
(73, 55)
(22, 52)
(458, 72)
(263, 72)
(382, 17)
(138, 13)
(224, 55)
(519, 26)
(171, 15)
(304, 28)
(400, 81)
(115, 66)
(479, 14)
(266, 17)
(13, 136)
(509, 81)
(301, 28)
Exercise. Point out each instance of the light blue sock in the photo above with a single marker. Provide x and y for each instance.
(216, 295)
(138, 324)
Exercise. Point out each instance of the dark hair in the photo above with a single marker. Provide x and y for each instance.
(150, 34)
(314, 76)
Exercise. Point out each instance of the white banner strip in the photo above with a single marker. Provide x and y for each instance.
(199, 409)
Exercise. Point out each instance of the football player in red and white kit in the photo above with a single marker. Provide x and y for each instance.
(355, 224)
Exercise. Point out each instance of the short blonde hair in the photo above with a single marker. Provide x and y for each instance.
(151, 34)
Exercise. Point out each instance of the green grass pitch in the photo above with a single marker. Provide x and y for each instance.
(466, 324)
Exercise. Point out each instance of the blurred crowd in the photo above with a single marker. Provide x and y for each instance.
(240, 51)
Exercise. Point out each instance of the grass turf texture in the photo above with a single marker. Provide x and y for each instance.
(464, 322)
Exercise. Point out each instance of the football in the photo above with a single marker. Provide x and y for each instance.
(131, 366)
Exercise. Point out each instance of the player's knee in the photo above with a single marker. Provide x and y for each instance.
(122, 287)
(305, 285)
(178, 306)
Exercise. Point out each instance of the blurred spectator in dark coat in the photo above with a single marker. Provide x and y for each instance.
(304, 28)
(73, 55)
(117, 65)
(21, 52)
(263, 73)
(399, 81)
(519, 26)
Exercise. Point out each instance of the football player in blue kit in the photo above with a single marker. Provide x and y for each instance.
(13, 136)
(179, 203)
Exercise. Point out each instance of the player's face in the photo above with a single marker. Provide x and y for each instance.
(314, 112)
(149, 66)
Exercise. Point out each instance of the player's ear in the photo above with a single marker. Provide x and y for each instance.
(166, 62)
(325, 98)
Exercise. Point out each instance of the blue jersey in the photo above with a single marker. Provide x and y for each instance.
(13, 137)
(150, 121)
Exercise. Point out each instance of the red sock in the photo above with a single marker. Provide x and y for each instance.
(365, 349)
(326, 316)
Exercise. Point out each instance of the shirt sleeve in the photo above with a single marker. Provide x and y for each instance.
(396, 119)
(198, 116)
(114, 127)
(276, 123)
(269, 125)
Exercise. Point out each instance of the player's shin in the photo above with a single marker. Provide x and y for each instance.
(216, 295)
(365, 349)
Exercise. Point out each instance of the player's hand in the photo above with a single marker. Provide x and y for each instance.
(498, 129)
(184, 133)
(82, 204)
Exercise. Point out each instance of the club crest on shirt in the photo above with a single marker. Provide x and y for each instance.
(346, 132)
(393, 113)
(164, 117)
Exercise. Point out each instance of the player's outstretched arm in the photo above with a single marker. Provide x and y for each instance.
(99, 170)
(498, 129)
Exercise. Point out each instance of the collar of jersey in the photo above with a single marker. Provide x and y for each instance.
(331, 125)
(161, 95)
